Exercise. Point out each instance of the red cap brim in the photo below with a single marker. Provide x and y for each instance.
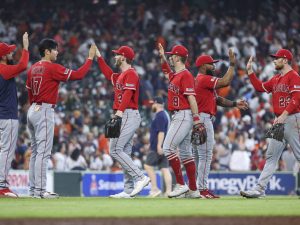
(274, 56)
(169, 53)
(115, 51)
(12, 48)
(215, 61)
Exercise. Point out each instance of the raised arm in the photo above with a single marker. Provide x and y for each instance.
(11, 71)
(106, 70)
(82, 71)
(257, 84)
(227, 78)
(164, 62)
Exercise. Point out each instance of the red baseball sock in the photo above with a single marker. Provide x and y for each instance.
(175, 164)
(190, 169)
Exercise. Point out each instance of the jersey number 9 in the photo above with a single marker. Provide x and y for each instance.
(176, 101)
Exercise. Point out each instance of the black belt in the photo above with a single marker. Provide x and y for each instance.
(174, 111)
(41, 103)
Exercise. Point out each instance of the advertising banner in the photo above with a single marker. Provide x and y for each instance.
(105, 184)
(19, 181)
(232, 183)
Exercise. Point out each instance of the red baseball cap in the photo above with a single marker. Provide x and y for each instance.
(179, 50)
(126, 51)
(205, 59)
(6, 49)
(283, 53)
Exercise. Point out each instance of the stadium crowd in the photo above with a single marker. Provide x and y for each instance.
(209, 27)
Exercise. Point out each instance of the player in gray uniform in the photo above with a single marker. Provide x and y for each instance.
(183, 106)
(9, 109)
(126, 93)
(285, 89)
(42, 83)
(207, 99)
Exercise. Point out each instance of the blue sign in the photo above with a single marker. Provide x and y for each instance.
(232, 183)
(105, 184)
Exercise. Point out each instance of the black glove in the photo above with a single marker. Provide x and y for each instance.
(113, 127)
(199, 135)
(276, 132)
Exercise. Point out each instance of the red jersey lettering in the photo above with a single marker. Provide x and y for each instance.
(181, 84)
(206, 96)
(44, 77)
(128, 80)
(283, 88)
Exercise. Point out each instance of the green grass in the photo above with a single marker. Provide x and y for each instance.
(68, 207)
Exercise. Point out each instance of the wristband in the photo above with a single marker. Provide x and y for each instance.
(234, 104)
(232, 64)
(196, 117)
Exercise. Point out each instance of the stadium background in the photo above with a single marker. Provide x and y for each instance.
(204, 27)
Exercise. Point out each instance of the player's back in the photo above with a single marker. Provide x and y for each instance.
(41, 82)
(206, 94)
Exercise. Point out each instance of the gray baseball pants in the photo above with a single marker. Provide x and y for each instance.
(204, 152)
(8, 140)
(40, 121)
(179, 135)
(275, 148)
(121, 148)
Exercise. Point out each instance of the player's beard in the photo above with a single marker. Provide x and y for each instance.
(278, 67)
(118, 63)
(210, 72)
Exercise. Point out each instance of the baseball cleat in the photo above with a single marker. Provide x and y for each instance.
(192, 194)
(208, 194)
(178, 190)
(121, 195)
(154, 194)
(6, 192)
(140, 185)
(253, 194)
(47, 195)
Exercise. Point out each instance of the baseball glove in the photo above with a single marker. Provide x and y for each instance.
(199, 134)
(113, 127)
(276, 132)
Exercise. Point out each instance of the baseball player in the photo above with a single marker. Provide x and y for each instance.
(207, 100)
(9, 109)
(42, 83)
(126, 85)
(156, 157)
(183, 106)
(285, 90)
